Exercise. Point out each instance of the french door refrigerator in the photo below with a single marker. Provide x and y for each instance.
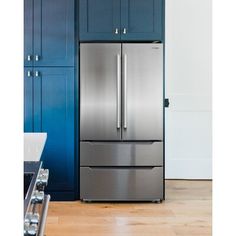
(121, 121)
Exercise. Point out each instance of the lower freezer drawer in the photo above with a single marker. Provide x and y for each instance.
(121, 184)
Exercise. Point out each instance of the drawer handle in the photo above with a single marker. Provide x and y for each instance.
(121, 167)
(121, 143)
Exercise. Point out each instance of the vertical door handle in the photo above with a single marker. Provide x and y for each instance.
(118, 92)
(124, 31)
(116, 31)
(28, 57)
(125, 91)
(167, 102)
(36, 57)
(37, 74)
(29, 73)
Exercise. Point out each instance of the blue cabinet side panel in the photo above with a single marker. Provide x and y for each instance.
(99, 19)
(28, 100)
(28, 32)
(57, 119)
(143, 20)
(54, 32)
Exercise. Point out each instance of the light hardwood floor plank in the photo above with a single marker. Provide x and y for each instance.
(185, 212)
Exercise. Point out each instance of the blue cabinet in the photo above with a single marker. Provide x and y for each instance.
(121, 20)
(28, 32)
(49, 60)
(28, 99)
(142, 20)
(49, 107)
(54, 32)
(99, 19)
(49, 33)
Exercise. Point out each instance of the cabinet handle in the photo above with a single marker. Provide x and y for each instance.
(28, 57)
(29, 73)
(116, 31)
(124, 31)
(36, 57)
(37, 74)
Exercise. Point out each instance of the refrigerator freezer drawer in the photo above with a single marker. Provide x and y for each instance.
(121, 184)
(121, 154)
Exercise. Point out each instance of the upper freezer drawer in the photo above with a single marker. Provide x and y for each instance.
(121, 154)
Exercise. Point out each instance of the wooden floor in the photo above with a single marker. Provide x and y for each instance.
(185, 212)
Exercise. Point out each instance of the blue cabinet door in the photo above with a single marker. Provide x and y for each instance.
(99, 20)
(28, 99)
(54, 114)
(54, 33)
(28, 32)
(142, 20)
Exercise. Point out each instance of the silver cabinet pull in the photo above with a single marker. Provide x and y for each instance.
(125, 90)
(29, 73)
(124, 31)
(28, 57)
(36, 57)
(118, 95)
(37, 74)
(116, 31)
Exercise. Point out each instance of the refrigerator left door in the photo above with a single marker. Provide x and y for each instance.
(100, 91)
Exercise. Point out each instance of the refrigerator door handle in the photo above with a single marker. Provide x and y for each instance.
(124, 91)
(118, 92)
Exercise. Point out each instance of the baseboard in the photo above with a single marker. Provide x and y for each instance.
(198, 169)
(61, 196)
(169, 179)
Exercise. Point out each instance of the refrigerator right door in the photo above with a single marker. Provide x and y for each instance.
(142, 91)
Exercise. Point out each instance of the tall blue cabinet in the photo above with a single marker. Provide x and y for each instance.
(49, 33)
(49, 87)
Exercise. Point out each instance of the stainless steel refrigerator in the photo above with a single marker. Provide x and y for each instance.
(121, 122)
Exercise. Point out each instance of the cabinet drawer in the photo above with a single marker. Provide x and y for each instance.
(121, 154)
(121, 184)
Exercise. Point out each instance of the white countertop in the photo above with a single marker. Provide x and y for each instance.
(33, 146)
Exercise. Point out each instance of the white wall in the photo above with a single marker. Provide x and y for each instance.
(188, 86)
